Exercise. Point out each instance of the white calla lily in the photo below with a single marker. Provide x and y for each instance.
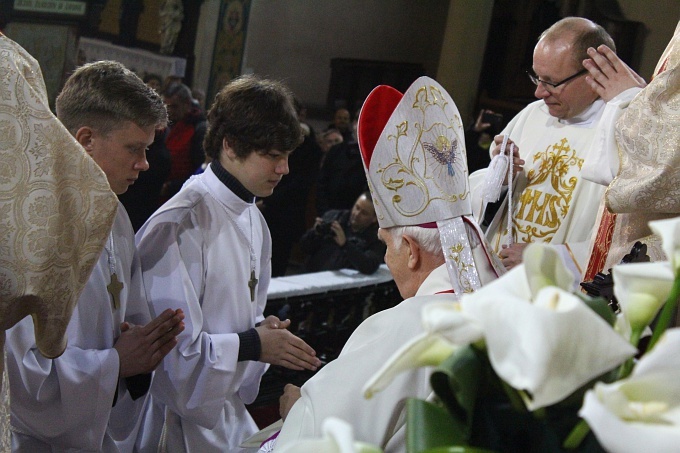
(445, 327)
(539, 337)
(545, 267)
(425, 350)
(641, 290)
(338, 438)
(669, 230)
(549, 347)
(642, 412)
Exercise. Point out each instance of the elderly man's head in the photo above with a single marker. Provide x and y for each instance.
(557, 65)
(412, 254)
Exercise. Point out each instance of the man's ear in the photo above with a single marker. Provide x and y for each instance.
(414, 257)
(228, 150)
(84, 136)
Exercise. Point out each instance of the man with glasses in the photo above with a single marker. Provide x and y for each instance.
(552, 139)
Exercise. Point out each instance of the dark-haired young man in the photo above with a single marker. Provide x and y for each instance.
(208, 250)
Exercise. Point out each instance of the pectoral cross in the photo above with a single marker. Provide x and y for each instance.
(114, 289)
(252, 283)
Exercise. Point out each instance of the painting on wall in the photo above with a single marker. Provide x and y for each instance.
(229, 44)
(54, 46)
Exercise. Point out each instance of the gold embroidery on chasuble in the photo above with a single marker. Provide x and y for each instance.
(544, 203)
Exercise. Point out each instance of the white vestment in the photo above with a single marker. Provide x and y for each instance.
(551, 200)
(197, 254)
(66, 402)
(337, 389)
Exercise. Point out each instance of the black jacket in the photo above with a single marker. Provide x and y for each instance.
(363, 251)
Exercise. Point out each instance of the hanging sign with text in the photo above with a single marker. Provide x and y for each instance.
(70, 7)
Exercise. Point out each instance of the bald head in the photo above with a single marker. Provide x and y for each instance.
(580, 34)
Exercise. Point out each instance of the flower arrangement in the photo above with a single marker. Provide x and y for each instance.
(526, 364)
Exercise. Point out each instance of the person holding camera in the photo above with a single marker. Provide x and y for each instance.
(345, 239)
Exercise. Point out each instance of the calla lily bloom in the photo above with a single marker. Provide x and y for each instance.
(425, 350)
(550, 346)
(641, 412)
(545, 267)
(669, 230)
(446, 326)
(642, 289)
(539, 337)
(338, 438)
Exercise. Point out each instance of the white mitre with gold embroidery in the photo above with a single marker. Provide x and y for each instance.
(413, 150)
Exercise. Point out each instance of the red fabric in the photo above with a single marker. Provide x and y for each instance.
(375, 113)
(603, 240)
(178, 143)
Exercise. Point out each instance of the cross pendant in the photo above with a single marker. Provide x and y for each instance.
(114, 289)
(251, 284)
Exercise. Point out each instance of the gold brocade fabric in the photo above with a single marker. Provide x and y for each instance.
(56, 207)
(648, 137)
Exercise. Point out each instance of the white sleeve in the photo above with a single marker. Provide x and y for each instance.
(602, 163)
(65, 401)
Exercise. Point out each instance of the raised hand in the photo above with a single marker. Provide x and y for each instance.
(141, 348)
(609, 75)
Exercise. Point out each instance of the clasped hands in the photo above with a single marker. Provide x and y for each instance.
(141, 348)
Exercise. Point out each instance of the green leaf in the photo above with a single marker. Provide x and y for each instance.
(429, 426)
(600, 306)
(457, 449)
(456, 382)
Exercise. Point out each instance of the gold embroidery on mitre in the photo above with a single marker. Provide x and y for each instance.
(539, 213)
(463, 268)
(427, 162)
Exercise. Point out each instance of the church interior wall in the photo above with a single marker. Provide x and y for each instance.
(660, 18)
(295, 40)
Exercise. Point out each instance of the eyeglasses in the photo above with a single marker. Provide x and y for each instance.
(535, 80)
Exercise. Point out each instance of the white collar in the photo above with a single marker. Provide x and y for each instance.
(437, 281)
(590, 115)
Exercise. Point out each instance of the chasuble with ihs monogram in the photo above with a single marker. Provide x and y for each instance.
(551, 201)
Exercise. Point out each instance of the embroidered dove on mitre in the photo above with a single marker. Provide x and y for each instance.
(413, 150)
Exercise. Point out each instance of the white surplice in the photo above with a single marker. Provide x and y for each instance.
(66, 402)
(336, 390)
(552, 202)
(195, 257)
